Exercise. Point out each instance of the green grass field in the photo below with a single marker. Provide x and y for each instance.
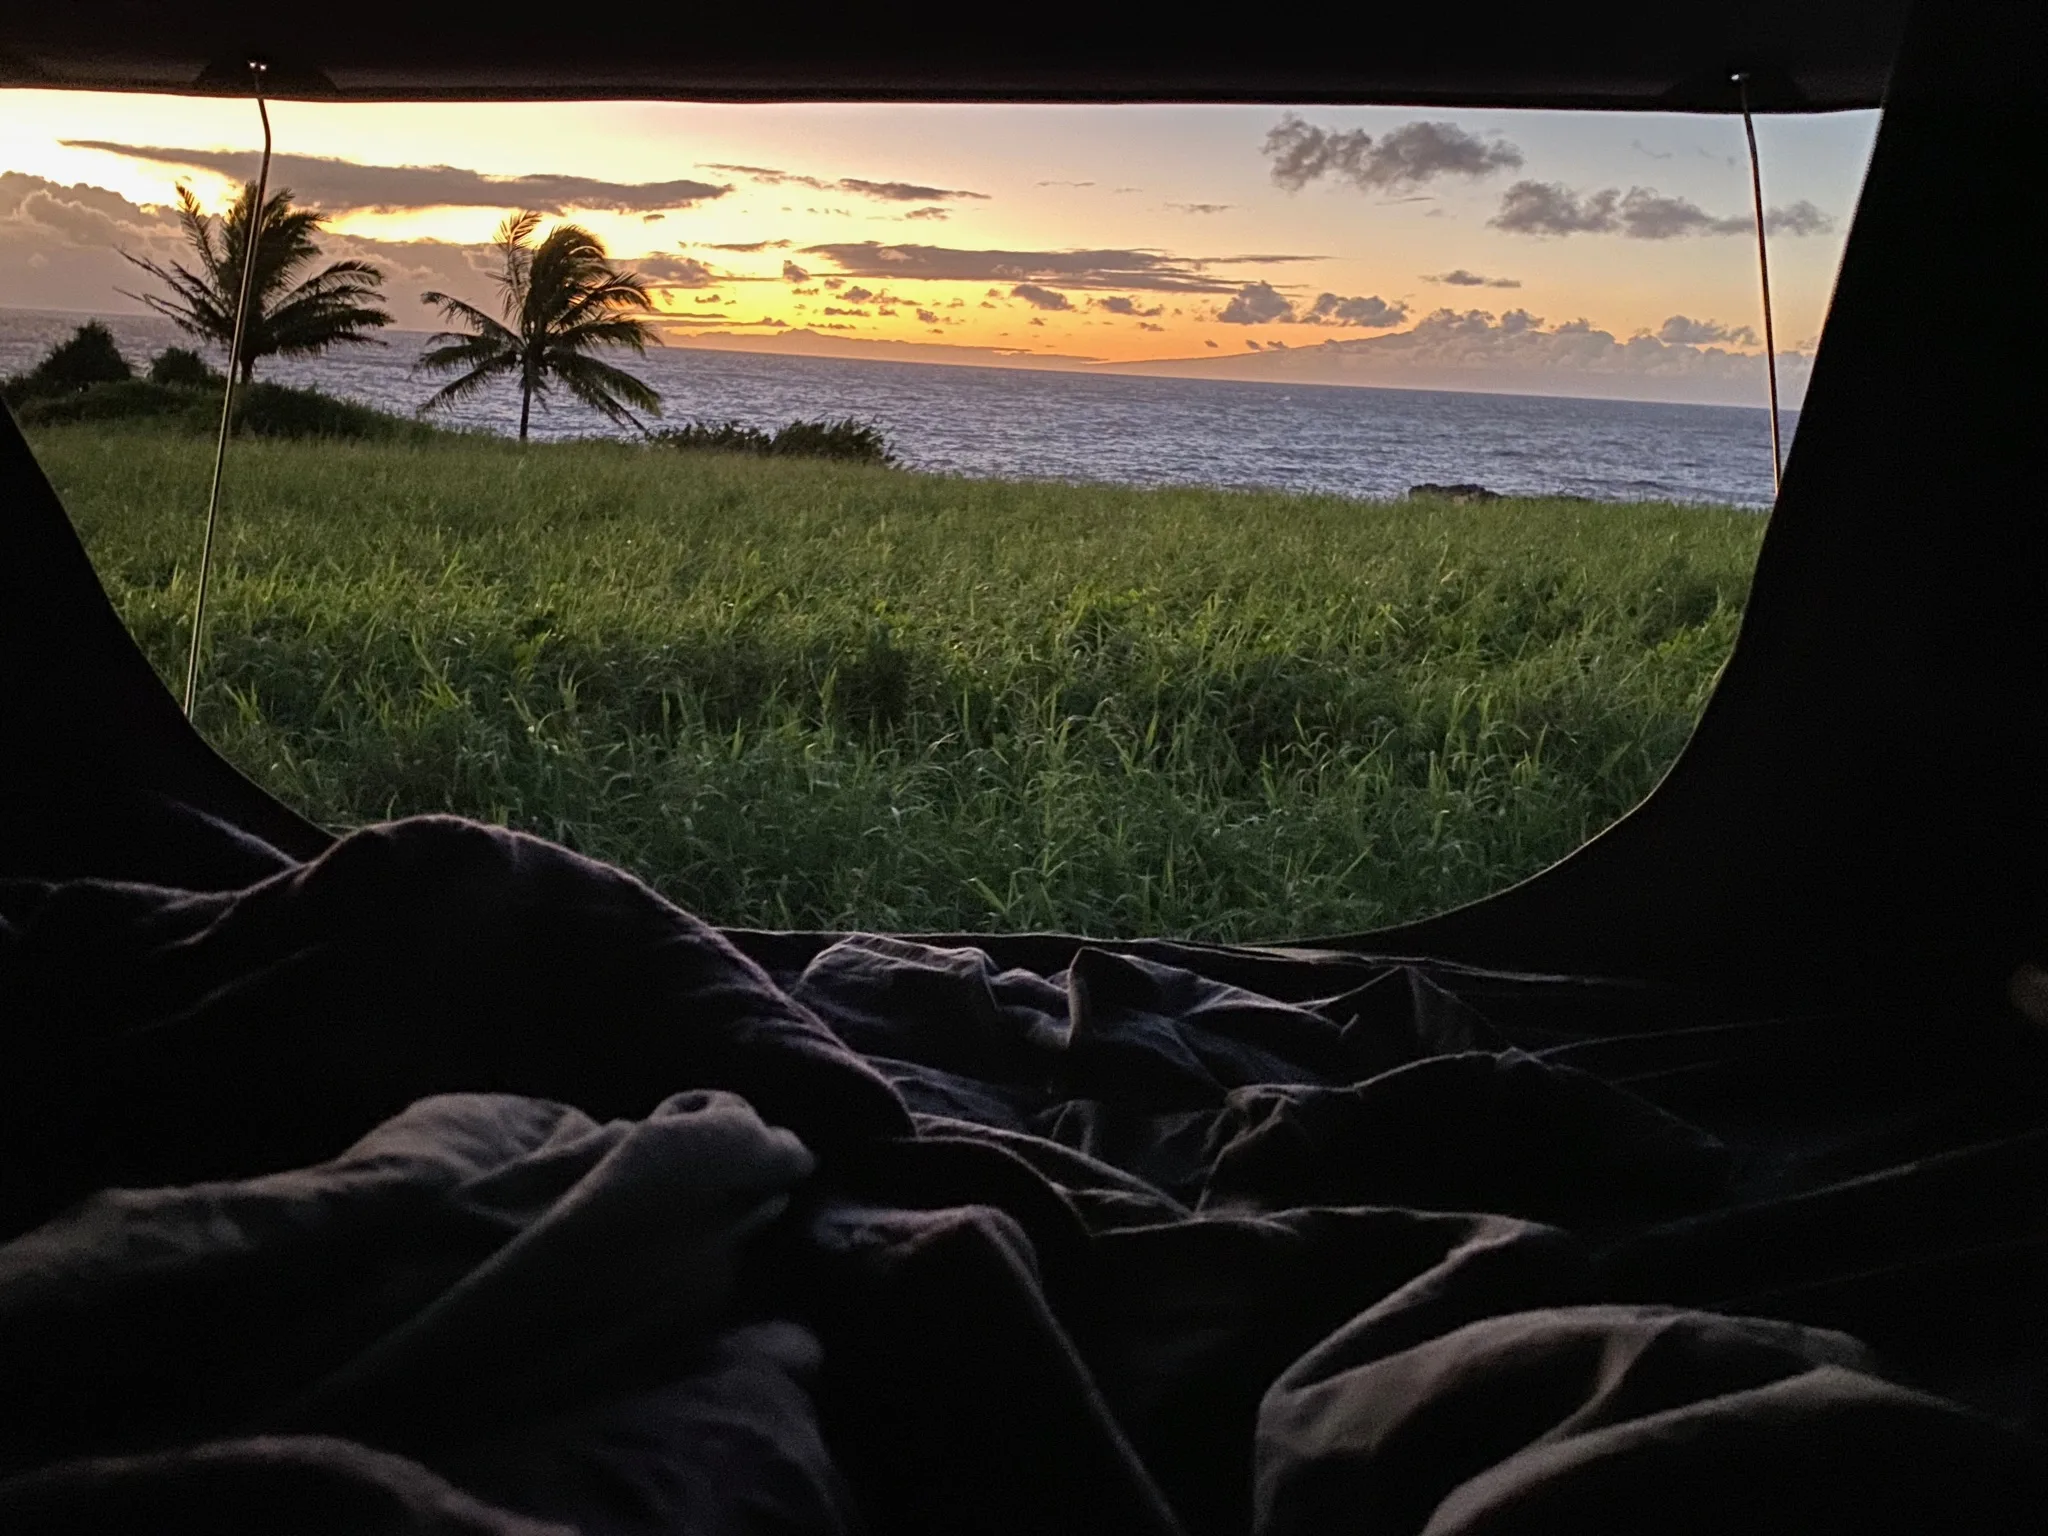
(796, 694)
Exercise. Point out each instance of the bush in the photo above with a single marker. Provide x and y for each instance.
(276, 410)
(261, 410)
(181, 366)
(86, 357)
(121, 400)
(858, 441)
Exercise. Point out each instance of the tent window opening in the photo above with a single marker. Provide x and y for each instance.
(1234, 522)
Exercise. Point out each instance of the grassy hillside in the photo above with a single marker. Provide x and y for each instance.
(794, 693)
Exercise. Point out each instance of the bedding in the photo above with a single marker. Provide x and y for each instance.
(452, 1182)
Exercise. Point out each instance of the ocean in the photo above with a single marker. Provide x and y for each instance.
(1041, 424)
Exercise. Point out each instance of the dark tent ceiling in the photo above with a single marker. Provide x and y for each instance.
(1821, 56)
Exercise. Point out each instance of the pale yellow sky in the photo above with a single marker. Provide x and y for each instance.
(1179, 204)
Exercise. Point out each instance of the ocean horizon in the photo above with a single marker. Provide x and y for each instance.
(1054, 424)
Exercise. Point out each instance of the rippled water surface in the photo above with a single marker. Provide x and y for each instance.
(1079, 426)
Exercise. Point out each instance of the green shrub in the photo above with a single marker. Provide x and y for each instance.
(261, 410)
(276, 410)
(86, 357)
(182, 366)
(850, 440)
(121, 400)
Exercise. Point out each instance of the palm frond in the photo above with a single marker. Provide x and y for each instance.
(478, 376)
(457, 311)
(606, 389)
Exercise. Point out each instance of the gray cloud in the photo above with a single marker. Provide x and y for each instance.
(857, 294)
(1263, 304)
(1373, 313)
(1153, 271)
(1641, 213)
(883, 191)
(792, 273)
(1800, 218)
(1199, 207)
(1128, 306)
(344, 186)
(1682, 330)
(1041, 298)
(929, 213)
(676, 271)
(1399, 160)
(1147, 325)
(1458, 277)
(1256, 304)
(1065, 183)
(904, 191)
(750, 245)
(1475, 349)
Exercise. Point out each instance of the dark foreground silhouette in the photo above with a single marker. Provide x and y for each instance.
(453, 1182)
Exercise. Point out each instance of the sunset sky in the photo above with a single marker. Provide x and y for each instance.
(1490, 249)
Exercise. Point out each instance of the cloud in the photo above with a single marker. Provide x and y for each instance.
(792, 273)
(346, 186)
(1199, 207)
(857, 294)
(904, 191)
(929, 213)
(1149, 270)
(1041, 298)
(676, 271)
(1263, 304)
(1256, 304)
(882, 191)
(1038, 320)
(1458, 277)
(1065, 183)
(1517, 352)
(837, 309)
(1401, 159)
(76, 217)
(1147, 325)
(1641, 213)
(749, 246)
(1682, 330)
(1551, 208)
(1373, 313)
(927, 317)
(1209, 344)
(1800, 218)
(1128, 306)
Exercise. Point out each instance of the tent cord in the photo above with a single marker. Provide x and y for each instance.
(1763, 267)
(227, 394)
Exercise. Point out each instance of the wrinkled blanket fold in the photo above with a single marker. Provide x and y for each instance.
(455, 1183)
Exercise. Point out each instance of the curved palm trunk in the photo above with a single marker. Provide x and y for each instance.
(525, 404)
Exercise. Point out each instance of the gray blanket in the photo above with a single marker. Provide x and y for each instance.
(452, 1182)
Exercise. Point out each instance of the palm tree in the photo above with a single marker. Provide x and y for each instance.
(289, 315)
(560, 298)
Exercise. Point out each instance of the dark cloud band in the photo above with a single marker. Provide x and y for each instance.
(1152, 271)
(1397, 161)
(344, 186)
(1641, 213)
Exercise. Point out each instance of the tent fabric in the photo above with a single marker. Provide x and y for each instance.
(457, 1177)
(1674, 57)
(1697, 1184)
(1894, 639)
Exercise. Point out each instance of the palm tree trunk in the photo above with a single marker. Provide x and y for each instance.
(525, 403)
